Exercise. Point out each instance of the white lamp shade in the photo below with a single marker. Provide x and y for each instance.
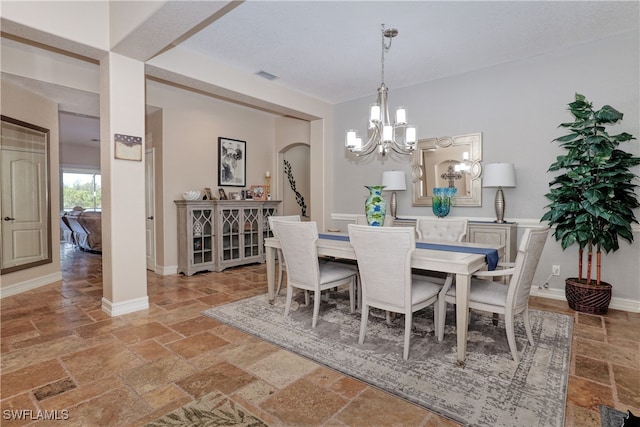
(499, 175)
(394, 181)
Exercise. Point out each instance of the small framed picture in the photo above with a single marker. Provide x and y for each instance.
(222, 194)
(232, 161)
(258, 192)
(248, 195)
(208, 194)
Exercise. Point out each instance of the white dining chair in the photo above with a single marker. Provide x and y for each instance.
(384, 262)
(304, 271)
(443, 230)
(447, 229)
(281, 266)
(507, 299)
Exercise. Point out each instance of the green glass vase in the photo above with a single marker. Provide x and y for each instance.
(375, 207)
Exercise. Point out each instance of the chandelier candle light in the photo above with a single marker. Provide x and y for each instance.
(394, 181)
(384, 135)
(499, 175)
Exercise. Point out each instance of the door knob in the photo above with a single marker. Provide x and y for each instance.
(150, 217)
(6, 218)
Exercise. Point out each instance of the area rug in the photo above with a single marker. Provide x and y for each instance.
(610, 417)
(213, 409)
(491, 390)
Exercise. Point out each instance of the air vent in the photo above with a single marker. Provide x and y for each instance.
(266, 75)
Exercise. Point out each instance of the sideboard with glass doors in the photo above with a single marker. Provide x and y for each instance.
(217, 234)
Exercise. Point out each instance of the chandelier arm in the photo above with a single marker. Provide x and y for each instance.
(371, 144)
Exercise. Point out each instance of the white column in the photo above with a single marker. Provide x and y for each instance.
(122, 111)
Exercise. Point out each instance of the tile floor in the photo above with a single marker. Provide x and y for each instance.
(60, 352)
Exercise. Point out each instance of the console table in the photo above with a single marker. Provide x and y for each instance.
(218, 234)
(504, 234)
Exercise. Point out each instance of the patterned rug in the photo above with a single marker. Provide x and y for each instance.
(610, 417)
(491, 390)
(213, 409)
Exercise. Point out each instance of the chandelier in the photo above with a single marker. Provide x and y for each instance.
(384, 135)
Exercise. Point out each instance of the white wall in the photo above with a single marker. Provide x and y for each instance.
(191, 126)
(517, 107)
(20, 104)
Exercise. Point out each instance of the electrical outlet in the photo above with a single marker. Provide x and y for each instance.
(555, 270)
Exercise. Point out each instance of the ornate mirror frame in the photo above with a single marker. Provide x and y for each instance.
(26, 206)
(448, 161)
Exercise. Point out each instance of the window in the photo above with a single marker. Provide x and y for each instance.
(81, 189)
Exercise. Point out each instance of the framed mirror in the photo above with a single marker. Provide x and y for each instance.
(449, 161)
(26, 211)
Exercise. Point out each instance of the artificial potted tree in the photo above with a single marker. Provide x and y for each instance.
(592, 199)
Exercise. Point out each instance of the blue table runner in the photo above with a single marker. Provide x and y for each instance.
(490, 254)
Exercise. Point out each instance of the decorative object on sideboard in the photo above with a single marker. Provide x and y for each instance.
(384, 135)
(394, 181)
(375, 206)
(267, 180)
(592, 197)
(442, 200)
(191, 195)
(258, 192)
(232, 162)
(499, 175)
(292, 182)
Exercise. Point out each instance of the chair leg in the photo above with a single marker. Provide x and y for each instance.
(441, 307)
(289, 298)
(527, 325)
(279, 277)
(352, 300)
(364, 318)
(306, 298)
(441, 312)
(511, 336)
(316, 308)
(408, 318)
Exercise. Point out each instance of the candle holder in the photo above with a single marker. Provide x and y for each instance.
(268, 186)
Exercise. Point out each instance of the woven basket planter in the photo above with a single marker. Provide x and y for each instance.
(585, 298)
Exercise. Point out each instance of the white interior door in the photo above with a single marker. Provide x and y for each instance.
(149, 209)
(24, 207)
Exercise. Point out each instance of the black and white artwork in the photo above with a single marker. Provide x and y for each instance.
(232, 161)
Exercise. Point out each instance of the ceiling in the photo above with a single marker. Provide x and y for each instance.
(331, 50)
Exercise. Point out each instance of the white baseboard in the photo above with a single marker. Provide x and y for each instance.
(30, 284)
(166, 270)
(124, 307)
(616, 303)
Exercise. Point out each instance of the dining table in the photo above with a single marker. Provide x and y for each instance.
(429, 255)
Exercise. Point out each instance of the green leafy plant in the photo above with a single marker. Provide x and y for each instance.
(593, 198)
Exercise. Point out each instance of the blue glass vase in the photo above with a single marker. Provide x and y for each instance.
(442, 198)
(375, 207)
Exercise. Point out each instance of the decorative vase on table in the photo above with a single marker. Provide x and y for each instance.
(442, 198)
(375, 207)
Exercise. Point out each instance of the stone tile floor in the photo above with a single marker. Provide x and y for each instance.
(60, 352)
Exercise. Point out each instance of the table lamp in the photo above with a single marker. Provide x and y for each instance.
(499, 175)
(394, 181)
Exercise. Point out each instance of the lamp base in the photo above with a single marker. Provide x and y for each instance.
(500, 205)
(394, 205)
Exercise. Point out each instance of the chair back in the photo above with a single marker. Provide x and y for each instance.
(526, 262)
(298, 242)
(362, 220)
(384, 262)
(451, 230)
(273, 218)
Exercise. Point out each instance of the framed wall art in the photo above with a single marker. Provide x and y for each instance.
(232, 162)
